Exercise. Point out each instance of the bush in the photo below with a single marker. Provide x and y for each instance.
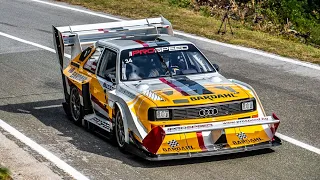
(180, 3)
(4, 174)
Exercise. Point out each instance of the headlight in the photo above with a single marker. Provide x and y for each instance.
(155, 114)
(247, 106)
(162, 114)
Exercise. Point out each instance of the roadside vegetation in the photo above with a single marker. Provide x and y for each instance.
(4, 174)
(289, 28)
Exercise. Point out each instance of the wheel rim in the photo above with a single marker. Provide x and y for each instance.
(120, 130)
(75, 104)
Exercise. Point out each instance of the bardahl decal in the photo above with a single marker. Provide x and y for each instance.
(213, 96)
(183, 148)
(159, 49)
(78, 77)
(247, 141)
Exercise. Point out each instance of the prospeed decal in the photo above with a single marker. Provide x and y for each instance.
(213, 96)
(158, 49)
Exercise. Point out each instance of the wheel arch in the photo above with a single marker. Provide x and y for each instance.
(261, 111)
(119, 107)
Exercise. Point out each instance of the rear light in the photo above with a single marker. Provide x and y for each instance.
(255, 116)
(154, 139)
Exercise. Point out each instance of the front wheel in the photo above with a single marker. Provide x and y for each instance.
(75, 106)
(120, 131)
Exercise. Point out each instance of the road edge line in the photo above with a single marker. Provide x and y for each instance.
(241, 48)
(298, 143)
(42, 151)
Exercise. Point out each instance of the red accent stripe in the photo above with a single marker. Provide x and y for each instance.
(200, 141)
(142, 43)
(173, 86)
(94, 99)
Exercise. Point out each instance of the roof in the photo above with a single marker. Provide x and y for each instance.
(142, 41)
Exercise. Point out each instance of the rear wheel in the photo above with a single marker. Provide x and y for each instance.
(76, 109)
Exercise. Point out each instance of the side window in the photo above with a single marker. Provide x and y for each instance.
(91, 64)
(108, 64)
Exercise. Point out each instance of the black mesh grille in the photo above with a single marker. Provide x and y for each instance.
(192, 112)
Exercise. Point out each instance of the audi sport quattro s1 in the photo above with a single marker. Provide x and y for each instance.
(155, 95)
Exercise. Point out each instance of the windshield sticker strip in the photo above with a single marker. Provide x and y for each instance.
(174, 86)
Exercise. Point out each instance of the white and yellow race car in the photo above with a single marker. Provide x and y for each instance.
(157, 96)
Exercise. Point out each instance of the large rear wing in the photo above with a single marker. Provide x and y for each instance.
(80, 36)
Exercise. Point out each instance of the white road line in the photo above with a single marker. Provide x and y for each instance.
(46, 107)
(31, 43)
(250, 50)
(286, 138)
(24, 111)
(42, 151)
(78, 10)
(298, 143)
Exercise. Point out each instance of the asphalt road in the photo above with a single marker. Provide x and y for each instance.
(30, 78)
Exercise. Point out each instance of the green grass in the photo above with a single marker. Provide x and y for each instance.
(4, 173)
(193, 22)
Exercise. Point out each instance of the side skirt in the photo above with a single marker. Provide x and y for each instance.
(104, 124)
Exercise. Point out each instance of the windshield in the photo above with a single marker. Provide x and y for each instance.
(144, 63)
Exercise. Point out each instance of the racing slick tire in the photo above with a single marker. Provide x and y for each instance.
(76, 109)
(120, 132)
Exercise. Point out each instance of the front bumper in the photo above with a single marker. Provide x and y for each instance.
(151, 157)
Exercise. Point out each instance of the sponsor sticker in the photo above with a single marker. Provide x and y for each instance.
(71, 70)
(159, 49)
(78, 77)
(247, 141)
(173, 143)
(177, 149)
(240, 121)
(127, 93)
(182, 128)
(213, 96)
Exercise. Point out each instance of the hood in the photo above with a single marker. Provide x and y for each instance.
(189, 90)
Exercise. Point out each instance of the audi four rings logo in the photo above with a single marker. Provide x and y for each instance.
(208, 112)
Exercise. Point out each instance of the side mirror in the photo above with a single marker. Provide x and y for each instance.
(216, 67)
